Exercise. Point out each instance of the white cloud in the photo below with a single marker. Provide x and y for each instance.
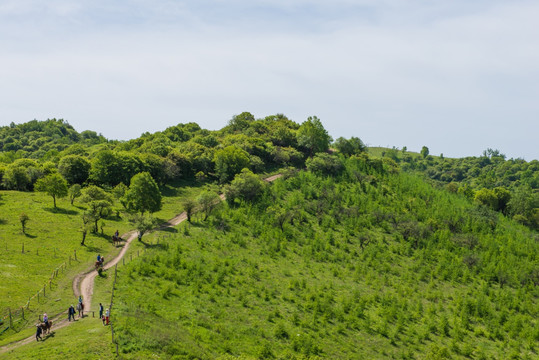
(457, 78)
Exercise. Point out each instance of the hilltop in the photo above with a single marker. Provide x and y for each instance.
(349, 255)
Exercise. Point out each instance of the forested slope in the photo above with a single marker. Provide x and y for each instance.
(366, 263)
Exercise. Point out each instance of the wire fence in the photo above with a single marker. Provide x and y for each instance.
(17, 318)
(132, 256)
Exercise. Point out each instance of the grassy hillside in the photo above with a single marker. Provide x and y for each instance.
(51, 238)
(366, 265)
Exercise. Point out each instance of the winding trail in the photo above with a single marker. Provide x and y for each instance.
(83, 284)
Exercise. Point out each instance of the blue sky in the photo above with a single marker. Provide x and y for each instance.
(457, 76)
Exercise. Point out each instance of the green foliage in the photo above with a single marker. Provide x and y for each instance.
(208, 201)
(16, 178)
(245, 186)
(325, 164)
(99, 204)
(111, 168)
(333, 267)
(143, 223)
(312, 136)
(143, 194)
(24, 218)
(229, 162)
(424, 152)
(54, 185)
(241, 122)
(189, 206)
(74, 168)
(348, 147)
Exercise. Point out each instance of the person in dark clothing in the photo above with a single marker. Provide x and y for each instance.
(38, 332)
(71, 313)
(100, 310)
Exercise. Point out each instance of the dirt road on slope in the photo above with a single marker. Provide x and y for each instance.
(83, 284)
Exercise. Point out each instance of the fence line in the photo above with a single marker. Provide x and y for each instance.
(19, 313)
(138, 254)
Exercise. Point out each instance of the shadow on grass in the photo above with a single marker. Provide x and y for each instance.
(3, 221)
(30, 236)
(152, 246)
(168, 229)
(92, 248)
(46, 337)
(63, 211)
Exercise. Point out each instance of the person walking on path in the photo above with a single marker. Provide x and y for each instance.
(71, 313)
(38, 332)
(107, 314)
(100, 310)
(46, 319)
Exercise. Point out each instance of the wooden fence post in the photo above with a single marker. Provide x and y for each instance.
(44, 293)
(75, 251)
(38, 296)
(123, 260)
(23, 248)
(22, 309)
(10, 318)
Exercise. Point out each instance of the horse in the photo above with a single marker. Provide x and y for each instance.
(80, 309)
(116, 240)
(46, 328)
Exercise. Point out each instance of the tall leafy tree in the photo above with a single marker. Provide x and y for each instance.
(74, 192)
(312, 136)
(353, 146)
(143, 194)
(16, 178)
(99, 203)
(230, 161)
(74, 168)
(54, 185)
(246, 186)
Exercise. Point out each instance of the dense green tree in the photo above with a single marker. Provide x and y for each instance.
(245, 186)
(229, 162)
(424, 152)
(143, 194)
(522, 202)
(54, 185)
(74, 168)
(312, 136)
(486, 197)
(16, 178)
(353, 146)
(99, 204)
(111, 167)
(241, 122)
(324, 164)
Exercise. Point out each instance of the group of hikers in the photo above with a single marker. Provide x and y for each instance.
(46, 324)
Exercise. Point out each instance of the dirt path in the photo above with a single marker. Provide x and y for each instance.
(83, 284)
